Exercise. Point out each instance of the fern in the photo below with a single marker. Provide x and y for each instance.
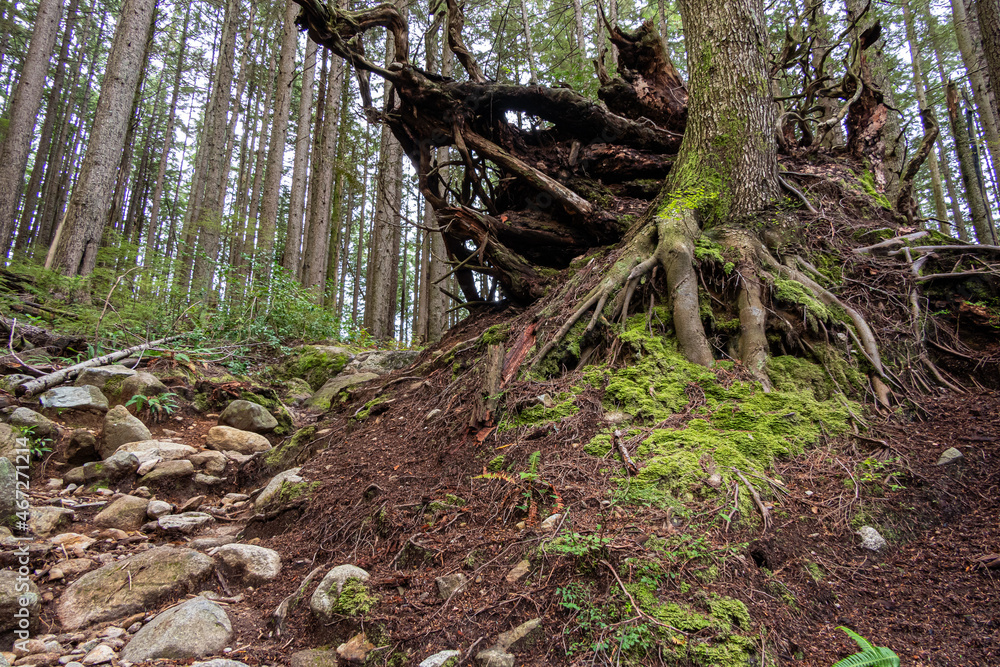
(503, 476)
(870, 655)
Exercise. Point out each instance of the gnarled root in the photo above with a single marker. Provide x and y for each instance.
(753, 347)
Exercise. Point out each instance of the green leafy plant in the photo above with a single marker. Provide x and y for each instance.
(879, 472)
(870, 655)
(37, 446)
(156, 407)
(532, 486)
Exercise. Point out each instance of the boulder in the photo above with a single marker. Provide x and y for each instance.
(211, 461)
(253, 564)
(132, 585)
(40, 425)
(104, 377)
(86, 397)
(316, 363)
(10, 383)
(126, 513)
(326, 394)
(140, 384)
(81, 448)
(382, 362)
(275, 488)
(168, 472)
(47, 521)
(229, 439)
(324, 600)
(190, 630)
(247, 416)
(10, 600)
(184, 523)
(296, 391)
(121, 428)
(147, 450)
(8, 440)
(111, 469)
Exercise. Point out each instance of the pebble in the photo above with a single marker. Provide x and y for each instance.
(99, 655)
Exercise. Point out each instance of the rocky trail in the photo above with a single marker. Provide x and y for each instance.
(338, 516)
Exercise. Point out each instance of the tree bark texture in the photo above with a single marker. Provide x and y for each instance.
(973, 191)
(291, 257)
(74, 248)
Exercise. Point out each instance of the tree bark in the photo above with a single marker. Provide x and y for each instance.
(22, 115)
(973, 192)
(291, 257)
(74, 248)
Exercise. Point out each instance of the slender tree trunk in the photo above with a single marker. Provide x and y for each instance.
(23, 111)
(253, 218)
(168, 139)
(74, 248)
(988, 13)
(278, 141)
(291, 258)
(337, 205)
(209, 213)
(362, 226)
(977, 65)
(973, 192)
(529, 50)
(581, 41)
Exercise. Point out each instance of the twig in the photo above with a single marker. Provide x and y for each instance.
(635, 606)
(756, 496)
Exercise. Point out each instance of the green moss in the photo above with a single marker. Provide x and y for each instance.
(201, 403)
(354, 599)
(365, 412)
(815, 571)
(450, 502)
(536, 415)
(495, 335)
(496, 463)
(738, 426)
(565, 354)
(794, 293)
(823, 381)
(315, 364)
(867, 182)
(707, 250)
(268, 399)
(292, 453)
(781, 591)
(290, 492)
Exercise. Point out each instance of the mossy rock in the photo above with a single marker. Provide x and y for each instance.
(295, 452)
(268, 399)
(316, 363)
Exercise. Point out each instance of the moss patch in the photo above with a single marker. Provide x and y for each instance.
(536, 415)
(292, 453)
(315, 364)
(354, 599)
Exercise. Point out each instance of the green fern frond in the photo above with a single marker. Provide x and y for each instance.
(870, 655)
(533, 461)
(502, 476)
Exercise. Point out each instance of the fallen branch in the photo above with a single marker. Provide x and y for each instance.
(756, 497)
(626, 459)
(890, 243)
(52, 379)
(287, 606)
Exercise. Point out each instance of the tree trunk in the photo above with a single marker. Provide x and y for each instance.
(973, 192)
(215, 141)
(22, 115)
(529, 49)
(74, 248)
(291, 257)
(976, 64)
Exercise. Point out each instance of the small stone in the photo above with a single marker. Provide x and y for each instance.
(147, 466)
(134, 628)
(521, 637)
(231, 498)
(45, 521)
(201, 479)
(871, 539)
(551, 522)
(207, 543)
(100, 654)
(158, 508)
(169, 472)
(325, 596)
(54, 484)
(142, 492)
(519, 571)
(355, 649)
(433, 414)
(950, 455)
(191, 504)
(29, 647)
(186, 523)
(494, 657)
(439, 658)
(226, 438)
(253, 564)
(211, 461)
(121, 428)
(451, 584)
(126, 513)
(39, 660)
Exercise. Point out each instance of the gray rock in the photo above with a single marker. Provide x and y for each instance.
(158, 508)
(132, 585)
(247, 416)
(201, 479)
(229, 439)
(86, 397)
(10, 600)
(147, 450)
(40, 425)
(10, 383)
(8, 440)
(440, 658)
(47, 521)
(169, 472)
(208, 543)
(296, 391)
(141, 384)
(99, 655)
(314, 657)
(121, 428)
(518, 572)
(104, 377)
(272, 492)
(196, 628)
(8, 491)
(871, 539)
(324, 599)
(451, 584)
(551, 522)
(81, 448)
(950, 455)
(316, 363)
(494, 657)
(126, 513)
(117, 466)
(211, 461)
(253, 564)
(186, 523)
(220, 662)
(521, 637)
(382, 362)
(326, 394)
